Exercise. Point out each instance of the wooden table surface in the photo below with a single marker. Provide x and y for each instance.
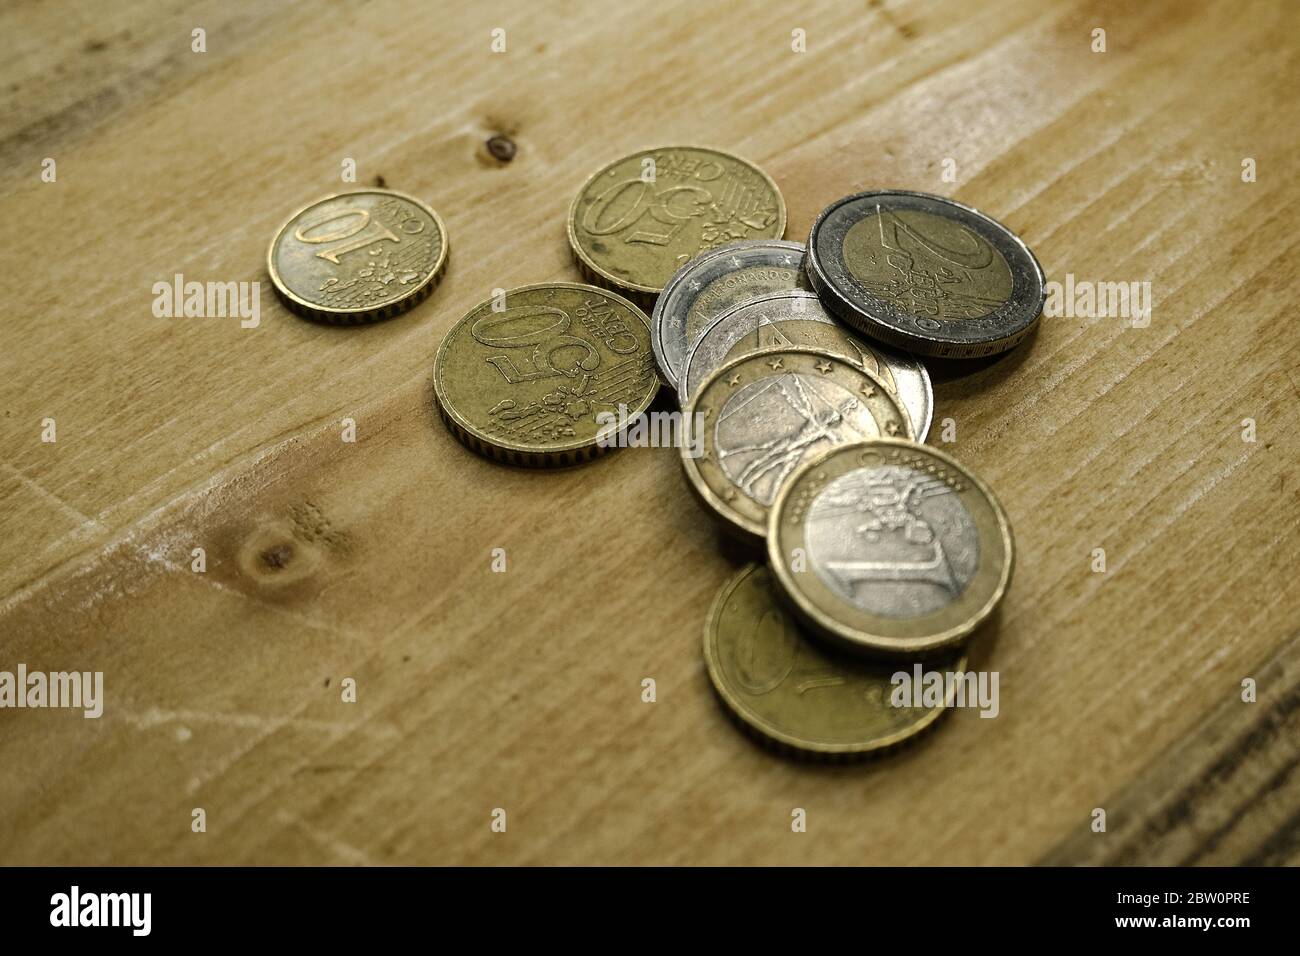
(371, 560)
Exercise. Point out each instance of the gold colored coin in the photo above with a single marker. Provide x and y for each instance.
(358, 256)
(796, 694)
(873, 262)
(529, 378)
(635, 222)
(765, 413)
(890, 547)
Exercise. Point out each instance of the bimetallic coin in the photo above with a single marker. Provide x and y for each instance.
(641, 218)
(358, 256)
(924, 273)
(764, 414)
(798, 319)
(794, 693)
(890, 547)
(712, 283)
(524, 379)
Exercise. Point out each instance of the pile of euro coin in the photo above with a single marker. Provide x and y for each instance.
(804, 400)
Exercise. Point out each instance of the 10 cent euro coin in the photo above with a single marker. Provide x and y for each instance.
(890, 547)
(535, 376)
(358, 256)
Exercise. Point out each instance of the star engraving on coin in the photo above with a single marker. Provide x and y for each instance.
(711, 284)
(796, 318)
(784, 411)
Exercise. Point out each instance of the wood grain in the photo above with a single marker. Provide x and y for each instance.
(1227, 795)
(522, 690)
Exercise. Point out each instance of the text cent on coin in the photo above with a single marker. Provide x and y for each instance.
(638, 220)
(525, 379)
(925, 274)
(712, 283)
(794, 693)
(890, 547)
(358, 256)
(796, 319)
(763, 414)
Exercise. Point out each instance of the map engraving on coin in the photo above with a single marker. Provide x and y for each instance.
(638, 220)
(358, 256)
(925, 273)
(890, 547)
(909, 549)
(524, 377)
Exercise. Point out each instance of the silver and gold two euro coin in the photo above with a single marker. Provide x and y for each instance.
(358, 256)
(925, 274)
